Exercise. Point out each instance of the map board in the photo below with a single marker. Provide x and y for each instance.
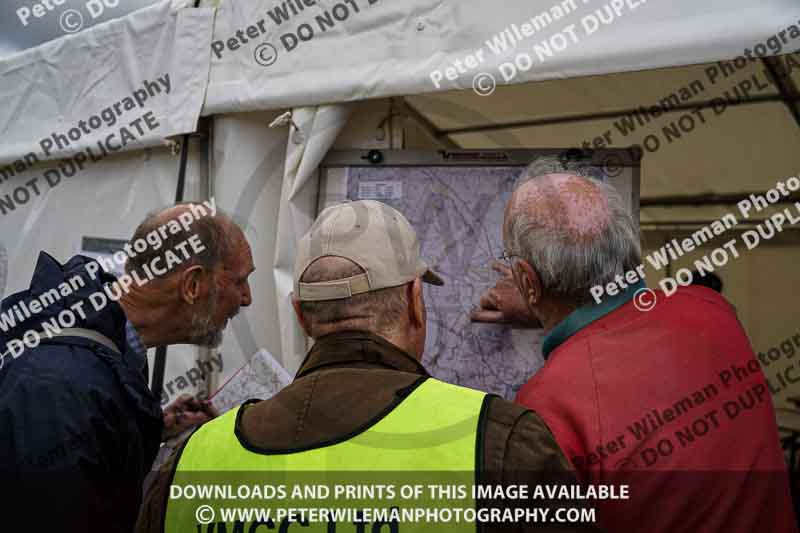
(455, 201)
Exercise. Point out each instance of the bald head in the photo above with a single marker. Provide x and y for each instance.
(161, 229)
(575, 231)
(564, 203)
(191, 264)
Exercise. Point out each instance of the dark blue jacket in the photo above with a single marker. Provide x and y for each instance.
(79, 428)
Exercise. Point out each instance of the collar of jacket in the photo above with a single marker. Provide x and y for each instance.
(66, 286)
(357, 348)
(583, 316)
(110, 321)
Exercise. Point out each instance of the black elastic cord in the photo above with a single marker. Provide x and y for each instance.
(160, 361)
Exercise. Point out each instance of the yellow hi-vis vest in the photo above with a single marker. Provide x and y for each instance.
(419, 457)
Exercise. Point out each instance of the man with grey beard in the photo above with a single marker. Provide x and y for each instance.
(193, 303)
(80, 426)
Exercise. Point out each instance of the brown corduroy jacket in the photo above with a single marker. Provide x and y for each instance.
(349, 381)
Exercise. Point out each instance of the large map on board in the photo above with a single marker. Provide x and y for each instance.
(458, 215)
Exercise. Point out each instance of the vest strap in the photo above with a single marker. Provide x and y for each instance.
(92, 335)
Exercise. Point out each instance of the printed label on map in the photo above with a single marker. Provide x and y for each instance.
(380, 190)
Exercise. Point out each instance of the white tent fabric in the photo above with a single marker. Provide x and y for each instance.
(68, 95)
(269, 57)
(275, 204)
(247, 163)
(248, 56)
(105, 201)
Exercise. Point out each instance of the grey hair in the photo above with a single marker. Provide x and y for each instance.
(567, 267)
(563, 164)
(379, 311)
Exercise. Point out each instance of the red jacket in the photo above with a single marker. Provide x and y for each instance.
(673, 403)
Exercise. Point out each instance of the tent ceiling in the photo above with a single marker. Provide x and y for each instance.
(387, 49)
(745, 148)
(577, 96)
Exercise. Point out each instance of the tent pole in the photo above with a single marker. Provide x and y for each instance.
(428, 127)
(689, 106)
(786, 86)
(689, 225)
(160, 361)
(709, 199)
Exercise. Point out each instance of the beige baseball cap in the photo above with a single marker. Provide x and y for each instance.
(371, 234)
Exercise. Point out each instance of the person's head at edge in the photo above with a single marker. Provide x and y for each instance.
(566, 233)
(191, 303)
(396, 313)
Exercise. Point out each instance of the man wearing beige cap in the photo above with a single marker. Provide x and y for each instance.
(363, 413)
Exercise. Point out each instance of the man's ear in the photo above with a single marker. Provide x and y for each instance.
(300, 319)
(191, 283)
(416, 303)
(528, 282)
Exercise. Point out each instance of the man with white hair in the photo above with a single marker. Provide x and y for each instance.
(670, 401)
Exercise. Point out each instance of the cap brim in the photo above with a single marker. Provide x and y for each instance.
(430, 277)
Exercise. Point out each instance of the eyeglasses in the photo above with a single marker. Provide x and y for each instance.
(508, 258)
